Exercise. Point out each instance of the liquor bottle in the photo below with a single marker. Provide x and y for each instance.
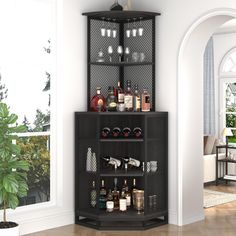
(93, 196)
(134, 162)
(122, 201)
(127, 193)
(110, 202)
(134, 188)
(116, 6)
(98, 101)
(112, 161)
(111, 101)
(146, 106)
(128, 97)
(137, 100)
(102, 196)
(115, 194)
(120, 94)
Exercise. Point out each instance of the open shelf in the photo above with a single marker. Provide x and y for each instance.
(121, 173)
(120, 64)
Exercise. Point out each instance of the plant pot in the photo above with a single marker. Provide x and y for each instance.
(14, 231)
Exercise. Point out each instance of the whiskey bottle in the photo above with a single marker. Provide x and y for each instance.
(110, 202)
(122, 201)
(115, 194)
(127, 193)
(128, 97)
(98, 101)
(134, 188)
(102, 196)
(120, 94)
(93, 195)
(137, 100)
(146, 106)
(111, 101)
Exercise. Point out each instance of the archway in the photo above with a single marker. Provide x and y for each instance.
(190, 114)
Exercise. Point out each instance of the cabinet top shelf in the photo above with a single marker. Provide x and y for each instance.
(121, 16)
(121, 63)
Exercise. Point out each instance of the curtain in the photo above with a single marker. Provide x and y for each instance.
(209, 89)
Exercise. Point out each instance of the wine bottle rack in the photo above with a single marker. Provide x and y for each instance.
(153, 146)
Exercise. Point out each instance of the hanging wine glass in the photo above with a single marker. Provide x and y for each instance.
(127, 52)
(114, 30)
(103, 29)
(120, 52)
(140, 28)
(134, 30)
(110, 52)
(108, 29)
(128, 31)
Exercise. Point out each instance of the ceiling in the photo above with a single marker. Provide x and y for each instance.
(228, 27)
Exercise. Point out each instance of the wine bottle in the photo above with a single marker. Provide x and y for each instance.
(93, 195)
(127, 193)
(122, 202)
(115, 194)
(111, 101)
(112, 161)
(137, 100)
(134, 188)
(146, 106)
(128, 97)
(134, 162)
(102, 196)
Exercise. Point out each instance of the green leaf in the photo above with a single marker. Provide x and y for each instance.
(22, 165)
(12, 119)
(10, 183)
(12, 201)
(3, 110)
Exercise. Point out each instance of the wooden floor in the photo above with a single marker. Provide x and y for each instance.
(219, 221)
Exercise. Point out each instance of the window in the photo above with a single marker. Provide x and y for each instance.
(26, 66)
(228, 93)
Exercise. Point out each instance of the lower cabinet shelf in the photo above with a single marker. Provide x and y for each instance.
(128, 220)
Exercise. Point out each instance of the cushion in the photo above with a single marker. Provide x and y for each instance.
(209, 145)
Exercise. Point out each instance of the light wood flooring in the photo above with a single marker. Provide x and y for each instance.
(219, 221)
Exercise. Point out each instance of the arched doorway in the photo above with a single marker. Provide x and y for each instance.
(190, 114)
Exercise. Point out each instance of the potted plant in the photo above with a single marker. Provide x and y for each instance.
(13, 171)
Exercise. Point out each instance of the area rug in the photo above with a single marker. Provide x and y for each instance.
(214, 198)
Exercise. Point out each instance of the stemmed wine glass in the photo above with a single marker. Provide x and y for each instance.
(140, 28)
(114, 30)
(128, 31)
(103, 29)
(108, 29)
(134, 30)
(120, 52)
(127, 52)
(110, 52)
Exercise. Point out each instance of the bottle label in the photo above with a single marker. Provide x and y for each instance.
(100, 102)
(112, 104)
(120, 97)
(128, 201)
(110, 206)
(128, 100)
(123, 206)
(137, 103)
(147, 99)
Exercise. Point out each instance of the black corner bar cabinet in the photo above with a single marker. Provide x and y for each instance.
(151, 146)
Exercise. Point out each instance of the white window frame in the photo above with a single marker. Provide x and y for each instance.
(224, 77)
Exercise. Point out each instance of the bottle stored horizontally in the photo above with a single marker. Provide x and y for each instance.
(102, 196)
(98, 101)
(112, 161)
(111, 101)
(134, 162)
(110, 202)
(137, 99)
(93, 195)
(146, 105)
(128, 97)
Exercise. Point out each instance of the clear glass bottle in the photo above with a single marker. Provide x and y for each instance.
(89, 160)
(93, 195)
(98, 101)
(128, 97)
(127, 194)
(115, 194)
(102, 196)
(134, 188)
(146, 106)
(122, 202)
(111, 101)
(137, 99)
(110, 202)
(120, 94)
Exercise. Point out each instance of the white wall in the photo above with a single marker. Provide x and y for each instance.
(177, 17)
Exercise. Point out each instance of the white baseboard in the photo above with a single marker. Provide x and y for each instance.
(173, 218)
(193, 219)
(46, 222)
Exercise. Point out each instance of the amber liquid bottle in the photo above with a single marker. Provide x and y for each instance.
(98, 102)
(146, 106)
(137, 99)
(128, 98)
